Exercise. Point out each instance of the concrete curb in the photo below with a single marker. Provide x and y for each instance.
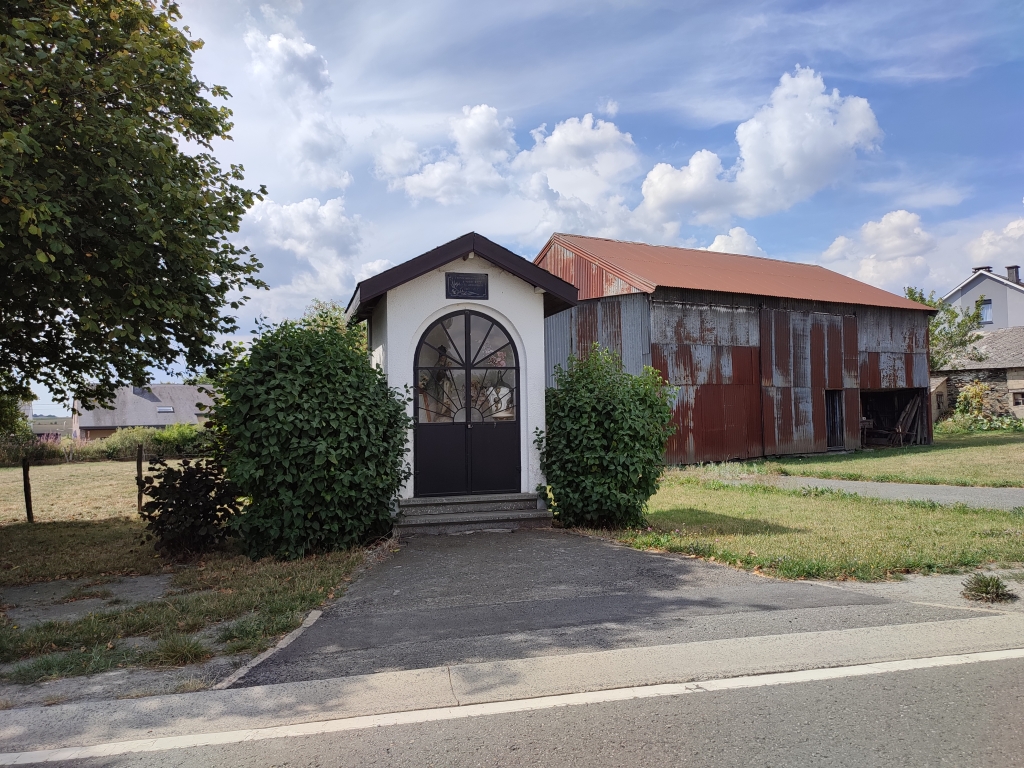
(72, 725)
(287, 640)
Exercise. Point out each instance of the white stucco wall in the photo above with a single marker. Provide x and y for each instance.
(1007, 301)
(412, 307)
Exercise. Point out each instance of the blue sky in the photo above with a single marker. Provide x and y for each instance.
(879, 139)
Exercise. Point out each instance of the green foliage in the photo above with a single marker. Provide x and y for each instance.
(113, 242)
(952, 332)
(977, 411)
(603, 451)
(12, 420)
(313, 436)
(963, 424)
(972, 399)
(986, 588)
(190, 506)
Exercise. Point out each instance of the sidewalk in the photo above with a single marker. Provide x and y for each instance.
(223, 714)
(972, 496)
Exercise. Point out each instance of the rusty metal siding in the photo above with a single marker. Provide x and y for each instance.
(558, 335)
(591, 279)
(802, 355)
(851, 418)
(618, 323)
(711, 353)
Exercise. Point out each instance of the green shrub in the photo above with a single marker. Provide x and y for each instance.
(603, 451)
(313, 436)
(190, 506)
(986, 588)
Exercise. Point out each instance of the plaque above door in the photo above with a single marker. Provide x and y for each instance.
(465, 285)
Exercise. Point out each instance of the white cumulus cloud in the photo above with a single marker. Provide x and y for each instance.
(891, 252)
(798, 143)
(737, 241)
(287, 61)
(999, 248)
(322, 236)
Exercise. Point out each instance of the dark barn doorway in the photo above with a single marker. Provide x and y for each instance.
(894, 417)
(466, 433)
(835, 429)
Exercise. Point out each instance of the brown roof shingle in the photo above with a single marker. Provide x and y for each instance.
(649, 266)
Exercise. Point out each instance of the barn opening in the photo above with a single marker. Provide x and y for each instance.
(894, 417)
(834, 425)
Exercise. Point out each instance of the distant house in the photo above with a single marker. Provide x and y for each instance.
(1002, 297)
(158, 405)
(1002, 369)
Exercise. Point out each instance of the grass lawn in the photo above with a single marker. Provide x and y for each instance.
(823, 534)
(992, 459)
(90, 490)
(87, 527)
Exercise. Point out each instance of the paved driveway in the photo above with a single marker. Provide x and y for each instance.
(446, 600)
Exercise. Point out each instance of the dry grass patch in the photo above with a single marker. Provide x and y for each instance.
(72, 550)
(823, 534)
(71, 492)
(986, 459)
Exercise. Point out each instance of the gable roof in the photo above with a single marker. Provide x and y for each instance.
(558, 294)
(1003, 348)
(642, 268)
(137, 407)
(982, 273)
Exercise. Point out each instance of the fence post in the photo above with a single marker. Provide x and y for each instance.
(138, 475)
(28, 489)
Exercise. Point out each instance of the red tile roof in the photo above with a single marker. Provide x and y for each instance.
(646, 267)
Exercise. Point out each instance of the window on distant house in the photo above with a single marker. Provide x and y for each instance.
(165, 409)
(940, 402)
(986, 311)
(1018, 398)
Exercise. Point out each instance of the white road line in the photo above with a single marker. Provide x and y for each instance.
(496, 708)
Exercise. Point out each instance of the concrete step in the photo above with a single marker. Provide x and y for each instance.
(492, 502)
(461, 514)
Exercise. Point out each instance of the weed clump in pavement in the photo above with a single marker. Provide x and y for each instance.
(988, 589)
(177, 650)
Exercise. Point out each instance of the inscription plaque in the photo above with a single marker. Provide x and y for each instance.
(465, 285)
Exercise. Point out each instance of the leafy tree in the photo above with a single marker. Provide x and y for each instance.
(952, 332)
(113, 212)
(12, 420)
(604, 448)
(313, 436)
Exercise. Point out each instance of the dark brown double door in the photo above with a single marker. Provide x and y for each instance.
(466, 435)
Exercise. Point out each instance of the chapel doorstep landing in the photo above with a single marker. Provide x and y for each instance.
(461, 514)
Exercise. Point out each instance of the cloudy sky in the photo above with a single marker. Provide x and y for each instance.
(880, 139)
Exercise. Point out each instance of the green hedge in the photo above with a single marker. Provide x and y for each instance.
(313, 435)
(603, 451)
(174, 441)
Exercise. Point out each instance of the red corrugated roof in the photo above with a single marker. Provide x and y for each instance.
(648, 266)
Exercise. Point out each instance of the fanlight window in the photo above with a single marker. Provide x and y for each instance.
(466, 370)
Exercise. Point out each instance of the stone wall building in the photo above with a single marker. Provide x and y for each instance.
(1002, 369)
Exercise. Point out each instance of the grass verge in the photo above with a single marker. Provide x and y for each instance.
(251, 603)
(986, 459)
(821, 533)
(71, 550)
(71, 492)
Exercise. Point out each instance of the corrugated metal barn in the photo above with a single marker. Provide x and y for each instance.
(770, 357)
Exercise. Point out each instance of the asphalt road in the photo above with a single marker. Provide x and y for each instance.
(960, 716)
(444, 600)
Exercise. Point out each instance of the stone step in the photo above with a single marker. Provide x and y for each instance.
(493, 502)
(461, 514)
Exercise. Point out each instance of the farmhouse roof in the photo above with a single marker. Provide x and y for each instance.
(157, 406)
(644, 267)
(1003, 348)
(980, 275)
(558, 294)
